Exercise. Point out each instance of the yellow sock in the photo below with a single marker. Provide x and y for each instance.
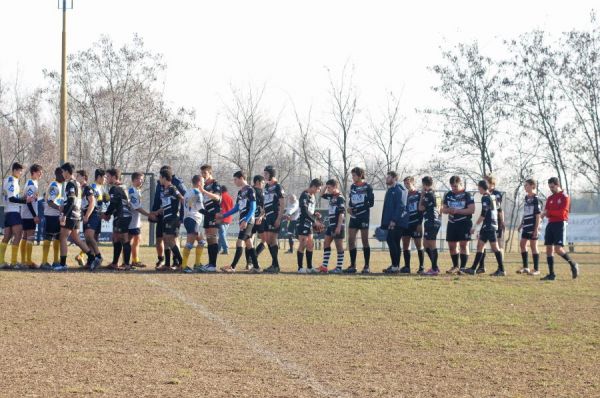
(137, 260)
(14, 254)
(56, 249)
(2, 251)
(29, 252)
(199, 250)
(45, 251)
(186, 256)
(23, 250)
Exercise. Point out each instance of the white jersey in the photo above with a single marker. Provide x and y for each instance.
(293, 210)
(11, 189)
(135, 198)
(31, 189)
(53, 194)
(193, 201)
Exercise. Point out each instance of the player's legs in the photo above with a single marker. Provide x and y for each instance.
(339, 247)
(524, 256)
(187, 249)
(213, 245)
(406, 238)
(454, 256)
(135, 249)
(464, 253)
(273, 249)
(418, 241)
(498, 253)
(352, 232)
(326, 252)
(90, 240)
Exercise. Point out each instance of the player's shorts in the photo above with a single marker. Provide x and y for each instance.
(431, 229)
(71, 223)
(12, 218)
(52, 226)
(556, 233)
(358, 223)
(459, 231)
(121, 225)
(246, 233)
(304, 228)
(158, 230)
(527, 233)
(93, 222)
(28, 224)
(191, 225)
(258, 228)
(330, 231)
(269, 223)
(412, 231)
(488, 235)
(209, 221)
(134, 231)
(171, 225)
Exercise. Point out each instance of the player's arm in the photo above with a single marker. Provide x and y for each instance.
(469, 210)
(340, 219)
(370, 197)
(31, 207)
(112, 204)
(422, 203)
(91, 205)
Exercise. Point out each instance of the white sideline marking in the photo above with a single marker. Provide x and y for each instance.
(288, 366)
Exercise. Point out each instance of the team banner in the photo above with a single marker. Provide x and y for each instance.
(581, 228)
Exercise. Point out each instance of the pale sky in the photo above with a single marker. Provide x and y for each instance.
(286, 44)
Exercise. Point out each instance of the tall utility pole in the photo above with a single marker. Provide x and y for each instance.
(63, 85)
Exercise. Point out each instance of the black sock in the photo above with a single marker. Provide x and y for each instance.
(309, 259)
(300, 258)
(126, 253)
(213, 252)
(161, 258)
(260, 248)
(536, 261)
(434, 258)
(90, 257)
(478, 257)
(568, 258)
(177, 259)
(63, 261)
(291, 242)
(550, 260)
(454, 258)
(525, 259)
(247, 255)
(99, 255)
(367, 254)
(482, 263)
(274, 250)
(117, 247)
(407, 258)
(421, 255)
(236, 257)
(352, 257)
(428, 252)
(498, 255)
(253, 258)
(168, 257)
(464, 259)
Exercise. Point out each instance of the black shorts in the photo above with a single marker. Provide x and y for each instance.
(209, 221)
(52, 226)
(258, 228)
(246, 233)
(331, 232)
(527, 233)
(171, 226)
(358, 223)
(556, 233)
(158, 231)
(304, 228)
(71, 223)
(488, 235)
(412, 231)
(459, 231)
(28, 224)
(431, 229)
(269, 223)
(134, 231)
(12, 218)
(121, 225)
(93, 222)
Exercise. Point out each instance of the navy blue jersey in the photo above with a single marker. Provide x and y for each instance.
(72, 208)
(415, 217)
(489, 212)
(244, 197)
(337, 206)
(307, 208)
(260, 201)
(85, 204)
(212, 206)
(169, 202)
(119, 202)
(460, 200)
(361, 200)
(430, 201)
(499, 196)
(272, 194)
(531, 208)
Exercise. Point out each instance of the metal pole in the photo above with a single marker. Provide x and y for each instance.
(63, 89)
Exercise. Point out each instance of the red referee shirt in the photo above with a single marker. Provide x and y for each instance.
(226, 205)
(557, 207)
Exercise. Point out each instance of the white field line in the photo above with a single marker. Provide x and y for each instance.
(286, 365)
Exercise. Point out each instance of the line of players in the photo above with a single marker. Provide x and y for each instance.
(408, 215)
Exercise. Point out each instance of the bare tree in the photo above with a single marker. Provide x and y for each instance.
(472, 84)
(304, 145)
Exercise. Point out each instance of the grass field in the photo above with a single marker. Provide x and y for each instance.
(142, 334)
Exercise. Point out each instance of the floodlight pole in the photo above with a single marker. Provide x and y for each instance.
(63, 86)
